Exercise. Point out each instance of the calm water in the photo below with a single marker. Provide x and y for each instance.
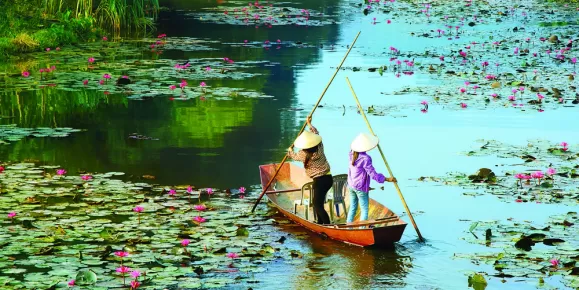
(220, 143)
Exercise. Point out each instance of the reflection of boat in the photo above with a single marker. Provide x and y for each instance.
(290, 194)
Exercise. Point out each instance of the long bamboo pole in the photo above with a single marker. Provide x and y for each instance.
(385, 162)
(304, 126)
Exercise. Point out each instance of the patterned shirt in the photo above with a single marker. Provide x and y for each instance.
(318, 164)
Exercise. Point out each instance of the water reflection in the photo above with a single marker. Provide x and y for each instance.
(206, 143)
(331, 265)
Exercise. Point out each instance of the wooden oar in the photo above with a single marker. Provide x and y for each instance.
(385, 162)
(304, 126)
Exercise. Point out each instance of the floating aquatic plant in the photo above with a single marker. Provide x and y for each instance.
(529, 250)
(552, 166)
(11, 133)
(74, 232)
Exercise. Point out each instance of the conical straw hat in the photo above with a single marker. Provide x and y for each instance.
(364, 142)
(307, 140)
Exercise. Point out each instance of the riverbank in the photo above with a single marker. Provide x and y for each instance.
(33, 25)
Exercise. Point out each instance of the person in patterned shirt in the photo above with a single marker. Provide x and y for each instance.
(317, 168)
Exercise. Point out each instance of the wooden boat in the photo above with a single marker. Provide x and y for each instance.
(290, 194)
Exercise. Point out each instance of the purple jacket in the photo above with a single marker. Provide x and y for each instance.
(360, 173)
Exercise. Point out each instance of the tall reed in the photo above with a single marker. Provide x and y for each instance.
(113, 15)
(84, 8)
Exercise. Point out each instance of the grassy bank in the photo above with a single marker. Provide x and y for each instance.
(35, 25)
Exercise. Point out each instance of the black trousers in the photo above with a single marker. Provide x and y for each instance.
(321, 187)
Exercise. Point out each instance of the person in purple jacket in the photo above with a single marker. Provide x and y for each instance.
(360, 172)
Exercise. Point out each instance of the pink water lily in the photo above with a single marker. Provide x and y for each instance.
(105, 38)
(242, 190)
(189, 189)
(209, 191)
(121, 254)
(199, 219)
(200, 207)
(564, 145)
(85, 82)
(138, 209)
(551, 171)
(463, 105)
(540, 97)
(86, 177)
(71, 283)
(60, 171)
(25, 74)
(90, 59)
(172, 192)
(11, 214)
(172, 87)
(521, 177)
(185, 243)
(554, 262)
(232, 255)
(123, 269)
(537, 174)
(135, 284)
(135, 274)
(202, 84)
(1, 169)
(106, 76)
(208, 69)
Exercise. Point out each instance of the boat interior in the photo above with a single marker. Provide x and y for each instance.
(292, 190)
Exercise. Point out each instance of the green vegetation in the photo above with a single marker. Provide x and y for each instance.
(34, 25)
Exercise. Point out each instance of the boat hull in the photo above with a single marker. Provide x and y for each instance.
(287, 190)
